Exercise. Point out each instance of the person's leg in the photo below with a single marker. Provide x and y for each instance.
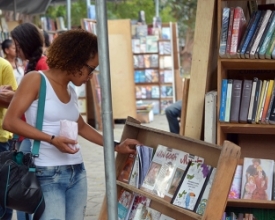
(76, 196)
(173, 112)
(5, 146)
(22, 215)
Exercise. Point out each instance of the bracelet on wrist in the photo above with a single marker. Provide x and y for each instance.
(51, 141)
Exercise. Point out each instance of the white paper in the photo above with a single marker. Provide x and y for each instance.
(69, 129)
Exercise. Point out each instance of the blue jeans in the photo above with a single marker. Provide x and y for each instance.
(65, 191)
(6, 147)
(173, 112)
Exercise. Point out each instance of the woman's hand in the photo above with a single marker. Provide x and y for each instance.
(125, 148)
(62, 144)
(6, 95)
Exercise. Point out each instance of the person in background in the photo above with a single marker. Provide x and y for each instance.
(9, 50)
(6, 78)
(59, 167)
(46, 42)
(173, 113)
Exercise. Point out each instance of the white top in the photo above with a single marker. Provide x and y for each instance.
(18, 73)
(55, 110)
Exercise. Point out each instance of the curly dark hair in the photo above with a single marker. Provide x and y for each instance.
(71, 50)
(30, 40)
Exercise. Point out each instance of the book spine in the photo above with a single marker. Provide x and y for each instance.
(229, 36)
(246, 94)
(256, 100)
(271, 118)
(235, 100)
(251, 21)
(237, 30)
(270, 47)
(262, 102)
(228, 100)
(270, 104)
(252, 99)
(260, 34)
(268, 36)
(267, 101)
(223, 100)
(224, 32)
(254, 35)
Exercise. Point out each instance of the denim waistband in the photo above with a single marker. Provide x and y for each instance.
(61, 167)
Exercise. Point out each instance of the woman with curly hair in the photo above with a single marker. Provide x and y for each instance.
(72, 57)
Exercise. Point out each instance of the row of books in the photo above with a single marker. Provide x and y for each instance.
(240, 216)
(89, 25)
(252, 40)
(247, 101)
(152, 75)
(152, 61)
(143, 30)
(254, 180)
(147, 92)
(151, 44)
(174, 175)
(49, 24)
(132, 206)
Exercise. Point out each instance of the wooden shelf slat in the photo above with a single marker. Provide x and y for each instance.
(159, 200)
(246, 64)
(248, 203)
(247, 128)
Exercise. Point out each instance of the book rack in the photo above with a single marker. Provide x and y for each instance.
(225, 159)
(256, 140)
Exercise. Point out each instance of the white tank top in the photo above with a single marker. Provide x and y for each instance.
(55, 110)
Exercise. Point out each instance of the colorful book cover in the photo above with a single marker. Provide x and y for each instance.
(204, 198)
(146, 213)
(191, 185)
(125, 174)
(235, 190)
(257, 179)
(134, 178)
(223, 100)
(125, 203)
(224, 31)
(152, 44)
(139, 199)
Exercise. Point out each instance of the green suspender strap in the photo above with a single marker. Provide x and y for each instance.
(39, 117)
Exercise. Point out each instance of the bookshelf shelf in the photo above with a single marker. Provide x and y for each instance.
(159, 200)
(251, 203)
(224, 158)
(244, 64)
(247, 128)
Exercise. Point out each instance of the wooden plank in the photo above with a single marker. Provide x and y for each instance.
(184, 104)
(201, 67)
(121, 69)
(222, 182)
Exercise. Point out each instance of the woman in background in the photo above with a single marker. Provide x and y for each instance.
(9, 50)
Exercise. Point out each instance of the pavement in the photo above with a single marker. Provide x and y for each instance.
(94, 163)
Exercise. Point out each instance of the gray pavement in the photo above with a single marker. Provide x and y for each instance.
(94, 163)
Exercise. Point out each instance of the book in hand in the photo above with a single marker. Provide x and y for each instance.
(201, 205)
(144, 212)
(191, 185)
(257, 178)
(125, 203)
(139, 199)
(145, 154)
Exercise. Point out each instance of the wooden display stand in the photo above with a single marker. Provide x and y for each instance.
(225, 159)
(121, 72)
(255, 140)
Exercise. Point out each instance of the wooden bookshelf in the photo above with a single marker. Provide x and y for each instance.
(225, 159)
(255, 140)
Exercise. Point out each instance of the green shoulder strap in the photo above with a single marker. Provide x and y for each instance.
(40, 114)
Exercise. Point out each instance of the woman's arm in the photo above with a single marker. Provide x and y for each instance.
(23, 98)
(90, 134)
